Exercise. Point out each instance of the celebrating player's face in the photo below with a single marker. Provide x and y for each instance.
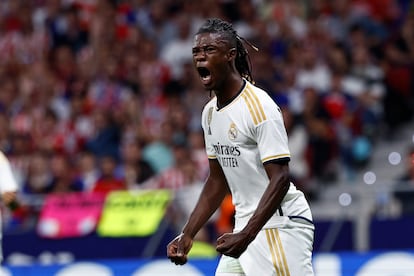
(210, 57)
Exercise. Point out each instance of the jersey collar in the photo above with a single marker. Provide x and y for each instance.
(232, 98)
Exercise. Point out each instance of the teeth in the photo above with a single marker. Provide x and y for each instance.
(206, 78)
(204, 72)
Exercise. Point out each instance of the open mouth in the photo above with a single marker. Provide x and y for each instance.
(204, 74)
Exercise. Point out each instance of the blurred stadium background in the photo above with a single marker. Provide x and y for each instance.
(100, 111)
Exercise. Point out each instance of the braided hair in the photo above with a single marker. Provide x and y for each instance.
(242, 62)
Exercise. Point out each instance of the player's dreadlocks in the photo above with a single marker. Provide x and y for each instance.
(243, 64)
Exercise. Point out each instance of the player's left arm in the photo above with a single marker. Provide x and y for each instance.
(272, 198)
(235, 244)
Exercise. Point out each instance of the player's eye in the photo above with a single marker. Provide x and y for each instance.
(196, 51)
(210, 49)
(204, 50)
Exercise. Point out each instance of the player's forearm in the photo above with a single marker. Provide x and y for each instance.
(269, 203)
(209, 201)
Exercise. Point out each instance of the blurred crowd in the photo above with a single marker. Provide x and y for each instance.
(101, 95)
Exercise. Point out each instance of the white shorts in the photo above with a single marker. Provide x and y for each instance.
(283, 251)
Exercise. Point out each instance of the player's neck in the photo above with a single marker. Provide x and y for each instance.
(229, 91)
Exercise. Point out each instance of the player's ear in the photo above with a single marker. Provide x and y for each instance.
(231, 54)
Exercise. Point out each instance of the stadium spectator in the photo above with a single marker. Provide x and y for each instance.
(67, 29)
(20, 154)
(313, 71)
(343, 119)
(63, 180)
(87, 170)
(185, 198)
(108, 181)
(132, 165)
(176, 53)
(153, 75)
(398, 61)
(177, 175)
(225, 219)
(192, 96)
(198, 153)
(366, 73)
(79, 125)
(322, 148)
(38, 180)
(155, 21)
(158, 152)
(106, 136)
(298, 145)
(106, 91)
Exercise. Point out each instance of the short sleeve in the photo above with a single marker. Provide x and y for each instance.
(272, 141)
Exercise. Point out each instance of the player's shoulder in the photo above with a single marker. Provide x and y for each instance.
(211, 103)
(2, 155)
(259, 93)
(259, 99)
(3, 158)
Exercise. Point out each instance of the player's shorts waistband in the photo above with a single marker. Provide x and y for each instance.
(278, 222)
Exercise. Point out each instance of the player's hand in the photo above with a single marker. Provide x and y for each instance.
(178, 249)
(8, 197)
(233, 244)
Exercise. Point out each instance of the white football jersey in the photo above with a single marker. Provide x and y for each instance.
(242, 136)
(7, 184)
(7, 180)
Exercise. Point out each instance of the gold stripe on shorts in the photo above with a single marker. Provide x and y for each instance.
(278, 254)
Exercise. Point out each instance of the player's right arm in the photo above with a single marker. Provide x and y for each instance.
(213, 193)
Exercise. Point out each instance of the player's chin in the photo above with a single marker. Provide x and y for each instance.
(208, 85)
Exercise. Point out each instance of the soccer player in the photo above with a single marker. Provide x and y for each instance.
(247, 147)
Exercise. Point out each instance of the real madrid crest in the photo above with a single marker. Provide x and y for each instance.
(232, 131)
